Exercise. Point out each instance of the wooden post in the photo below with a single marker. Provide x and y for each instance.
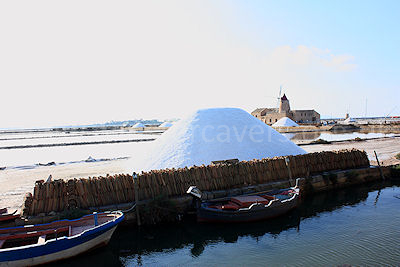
(135, 183)
(379, 166)
(288, 168)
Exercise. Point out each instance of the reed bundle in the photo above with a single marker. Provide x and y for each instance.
(83, 193)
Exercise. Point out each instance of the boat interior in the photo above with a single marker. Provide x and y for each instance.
(245, 201)
(39, 234)
(5, 216)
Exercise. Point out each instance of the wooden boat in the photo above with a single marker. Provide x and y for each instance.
(246, 208)
(6, 217)
(38, 244)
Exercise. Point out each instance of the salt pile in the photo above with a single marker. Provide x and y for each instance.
(285, 122)
(349, 120)
(166, 124)
(138, 125)
(216, 134)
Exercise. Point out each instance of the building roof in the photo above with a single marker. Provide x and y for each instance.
(258, 110)
(284, 97)
(304, 110)
(266, 110)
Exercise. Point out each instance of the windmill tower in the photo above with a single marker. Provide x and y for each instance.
(284, 106)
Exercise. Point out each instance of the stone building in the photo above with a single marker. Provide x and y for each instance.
(272, 115)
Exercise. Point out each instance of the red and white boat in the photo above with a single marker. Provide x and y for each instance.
(6, 217)
(246, 208)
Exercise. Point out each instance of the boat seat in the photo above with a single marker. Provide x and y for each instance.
(2, 243)
(33, 233)
(42, 239)
(268, 197)
(246, 201)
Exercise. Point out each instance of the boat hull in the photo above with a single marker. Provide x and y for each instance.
(256, 213)
(59, 249)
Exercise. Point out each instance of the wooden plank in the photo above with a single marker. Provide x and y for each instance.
(379, 166)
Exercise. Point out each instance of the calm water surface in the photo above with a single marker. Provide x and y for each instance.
(333, 136)
(358, 226)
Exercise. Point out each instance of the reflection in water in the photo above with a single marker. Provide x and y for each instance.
(174, 243)
(306, 136)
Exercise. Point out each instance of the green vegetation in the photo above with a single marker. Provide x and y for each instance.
(397, 156)
(320, 141)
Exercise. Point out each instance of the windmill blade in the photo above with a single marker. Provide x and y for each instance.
(279, 96)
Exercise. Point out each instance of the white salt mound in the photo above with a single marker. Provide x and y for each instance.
(285, 122)
(216, 134)
(349, 120)
(138, 125)
(166, 124)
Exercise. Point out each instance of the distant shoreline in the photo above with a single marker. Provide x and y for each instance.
(346, 140)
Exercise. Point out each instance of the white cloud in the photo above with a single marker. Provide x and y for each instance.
(312, 57)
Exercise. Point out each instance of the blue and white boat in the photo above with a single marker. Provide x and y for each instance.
(31, 245)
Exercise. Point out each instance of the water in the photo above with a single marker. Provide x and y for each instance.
(332, 136)
(29, 157)
(357, 226)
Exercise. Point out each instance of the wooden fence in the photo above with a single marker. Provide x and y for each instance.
(83, 193)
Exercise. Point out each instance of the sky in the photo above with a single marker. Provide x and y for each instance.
(83, 62)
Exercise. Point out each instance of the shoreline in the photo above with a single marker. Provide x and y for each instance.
(386, 148)
(344, 141)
